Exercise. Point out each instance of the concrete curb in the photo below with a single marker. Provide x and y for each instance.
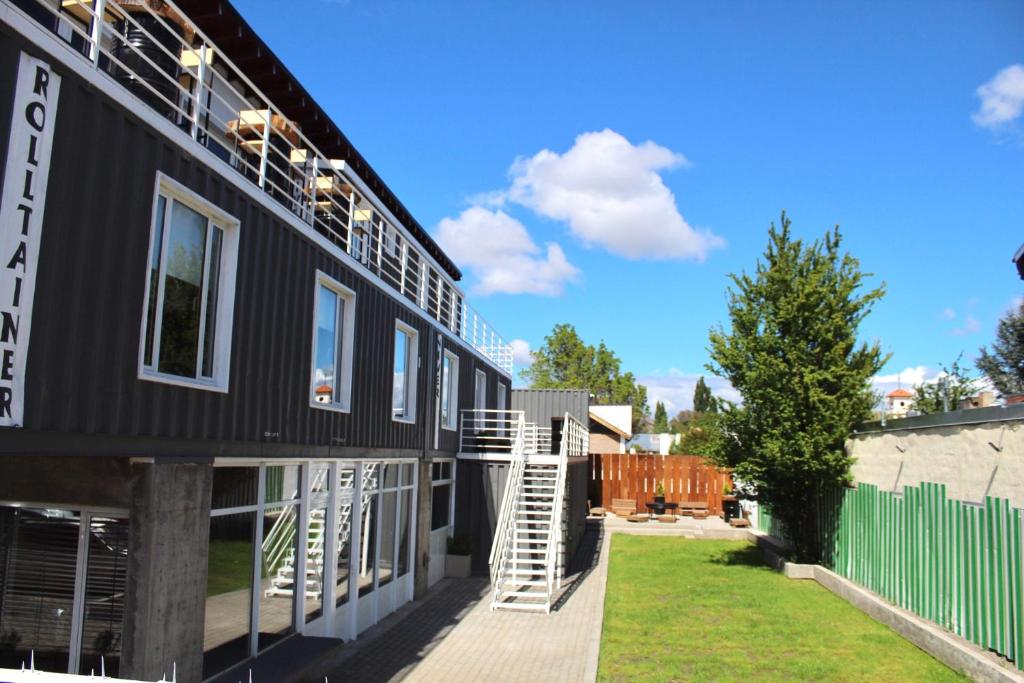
(594, 642)
(953, 651)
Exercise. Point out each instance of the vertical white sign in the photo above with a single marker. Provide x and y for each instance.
(21, 222)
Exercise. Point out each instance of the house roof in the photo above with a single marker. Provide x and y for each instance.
(1018, 258)
(900, 393)
(231, 33)
(323, 389)
(619, 419)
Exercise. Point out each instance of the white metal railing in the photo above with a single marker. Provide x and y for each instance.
(282, 534)
(575, 439)
(504, 530)
(490, 431)
(170, 65)
(538, 439)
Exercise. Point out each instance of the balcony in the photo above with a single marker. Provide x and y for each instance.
(493, 435)
(165, 62)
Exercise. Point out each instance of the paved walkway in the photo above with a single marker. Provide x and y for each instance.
(454, 636)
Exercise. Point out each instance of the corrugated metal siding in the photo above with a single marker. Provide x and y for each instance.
(543, 405)
(83, 360)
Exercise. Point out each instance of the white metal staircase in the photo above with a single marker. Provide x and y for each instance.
(526, 557)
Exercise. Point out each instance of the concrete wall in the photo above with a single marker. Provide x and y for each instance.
(975, 453)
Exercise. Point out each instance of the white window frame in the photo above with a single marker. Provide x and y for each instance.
(347, 340)
(452, 388)
(480, 397)
(172, 190)
(412, 371)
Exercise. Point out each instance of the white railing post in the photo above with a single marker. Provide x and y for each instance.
(265, 152)
(96, 31)
(197, 97)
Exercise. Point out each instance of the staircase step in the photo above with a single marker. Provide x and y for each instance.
(525, 594)
(522, 582)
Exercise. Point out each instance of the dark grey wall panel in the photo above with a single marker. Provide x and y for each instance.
(83, 358)
(543, 405)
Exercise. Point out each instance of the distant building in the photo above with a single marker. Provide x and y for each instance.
(899, 402)
(1018, 259)
(324, 392)
(982, 399)
(653, 443)
(610, 428)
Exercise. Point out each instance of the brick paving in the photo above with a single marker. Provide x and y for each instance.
(454, 636)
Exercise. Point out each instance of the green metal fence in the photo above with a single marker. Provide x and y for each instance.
(957, 564)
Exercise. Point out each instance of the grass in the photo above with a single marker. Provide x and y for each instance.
(691, 610)
(230, 567)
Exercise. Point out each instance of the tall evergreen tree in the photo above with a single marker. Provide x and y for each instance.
(1004, 364)
(792, 353)
(703, 400)
(660, 418)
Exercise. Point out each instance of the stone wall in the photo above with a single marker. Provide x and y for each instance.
(975, 453)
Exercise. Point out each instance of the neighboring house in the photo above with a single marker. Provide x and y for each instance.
(653, 443)
(983, 399)
(899, 402)
(236, 419)
(1018, 259)
(610, 428)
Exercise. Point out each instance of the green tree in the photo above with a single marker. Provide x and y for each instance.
(700, 437)
(660, 418)
(1004, 364)
(680, 423)
(564, 361)
(952, 386)
(793, 355)
(703, 400)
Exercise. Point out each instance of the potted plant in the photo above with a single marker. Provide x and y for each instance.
(457, 563)
(659, 494)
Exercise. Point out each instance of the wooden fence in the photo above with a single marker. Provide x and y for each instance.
(960, 565)
(686, 478)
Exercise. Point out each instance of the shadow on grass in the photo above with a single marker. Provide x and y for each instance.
(748, 556)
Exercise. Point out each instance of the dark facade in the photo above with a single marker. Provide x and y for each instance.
(102, 442)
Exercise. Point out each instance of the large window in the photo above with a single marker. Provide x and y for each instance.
(450, 391)
(189, 298)
(442, 481)
(403, 397)
(333, 322)
(62, 585)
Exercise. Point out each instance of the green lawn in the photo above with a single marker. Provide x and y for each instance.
(230, 567)
(680, 610)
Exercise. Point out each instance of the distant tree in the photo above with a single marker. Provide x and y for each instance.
(700, 437)
(680, 423)
(793, 355)
(1004, 364)
(703, 400)
(565, 361)
(660, 418)
(945, 393)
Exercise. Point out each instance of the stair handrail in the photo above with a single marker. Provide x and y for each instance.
(272, 547)
(506, 517)
(571, 444)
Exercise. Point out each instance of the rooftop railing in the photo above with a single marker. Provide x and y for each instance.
(167, 63)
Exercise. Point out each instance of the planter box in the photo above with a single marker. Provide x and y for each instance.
(457, 566)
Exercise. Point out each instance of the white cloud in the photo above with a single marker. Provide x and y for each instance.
(948, 313)
(498, 250)
(521, 353)
(675, 389)
(1002, 98)
(610, 193)
(906, 378)
(970, 326)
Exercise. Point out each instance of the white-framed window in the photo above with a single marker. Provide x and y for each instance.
(189, 297)
(449, 391)
(406, 368)
(334, 316)
(480, 390)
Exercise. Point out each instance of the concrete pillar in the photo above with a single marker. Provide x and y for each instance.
(423, 496)
(165, 600)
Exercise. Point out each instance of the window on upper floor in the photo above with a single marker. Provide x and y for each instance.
(403, 395)
(333, 341)
(450, 391)
(190, 290)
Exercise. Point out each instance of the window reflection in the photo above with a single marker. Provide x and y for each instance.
(388, 519)
(228, 591)
(278, 574)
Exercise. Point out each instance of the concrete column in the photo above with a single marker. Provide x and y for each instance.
(165, 600)
(422, 531)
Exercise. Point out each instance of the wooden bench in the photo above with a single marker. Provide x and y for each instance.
(739, 522)
(666, 519)
(623, 507)
(696, 509)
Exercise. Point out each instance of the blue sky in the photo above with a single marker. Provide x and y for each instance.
(608, 164)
